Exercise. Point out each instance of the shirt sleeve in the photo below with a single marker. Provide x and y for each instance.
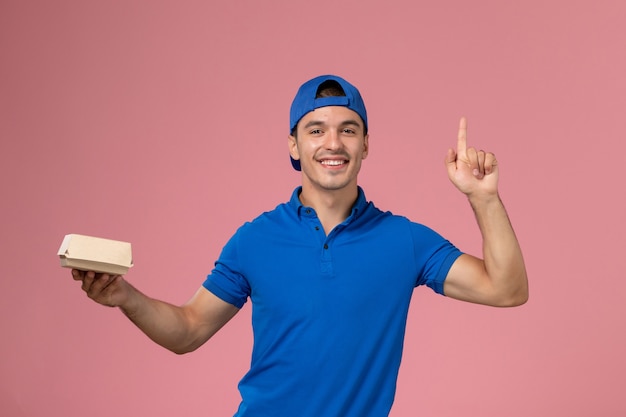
(226, 280)
(434, 255)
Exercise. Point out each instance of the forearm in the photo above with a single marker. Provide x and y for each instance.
(166, 324)
(179, 329)
(502, 255)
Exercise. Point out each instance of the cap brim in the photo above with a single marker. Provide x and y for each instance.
(295, 163)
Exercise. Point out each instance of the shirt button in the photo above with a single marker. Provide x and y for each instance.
(317, 228)
(307, 211)
(325, 246)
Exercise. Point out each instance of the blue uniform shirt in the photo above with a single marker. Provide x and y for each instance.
(328, 312)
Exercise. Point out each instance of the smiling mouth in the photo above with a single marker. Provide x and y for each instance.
(333, 162)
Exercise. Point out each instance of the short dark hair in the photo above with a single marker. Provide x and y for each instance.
(329, 88)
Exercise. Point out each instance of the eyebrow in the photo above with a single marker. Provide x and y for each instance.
(313, 123)
(348, 122)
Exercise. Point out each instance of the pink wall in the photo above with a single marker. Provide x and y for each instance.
(164, 123)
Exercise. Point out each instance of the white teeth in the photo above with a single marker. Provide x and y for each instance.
(332, 162)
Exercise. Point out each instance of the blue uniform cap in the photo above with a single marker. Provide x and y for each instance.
(305, 102)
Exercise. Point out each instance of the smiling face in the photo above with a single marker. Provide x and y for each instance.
(330, 144)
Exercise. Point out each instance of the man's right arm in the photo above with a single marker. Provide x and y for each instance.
(180, 329)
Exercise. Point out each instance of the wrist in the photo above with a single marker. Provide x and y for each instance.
(131, 303)
(483, 199)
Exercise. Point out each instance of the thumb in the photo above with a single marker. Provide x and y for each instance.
(451, 161)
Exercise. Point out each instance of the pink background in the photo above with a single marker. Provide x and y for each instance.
(165, 123)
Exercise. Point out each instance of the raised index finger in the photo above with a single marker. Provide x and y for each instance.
(461, 145)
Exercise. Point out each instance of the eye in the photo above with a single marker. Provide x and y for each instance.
(315, 132)
(349, 131)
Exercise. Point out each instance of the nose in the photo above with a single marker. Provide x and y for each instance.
(333, 140)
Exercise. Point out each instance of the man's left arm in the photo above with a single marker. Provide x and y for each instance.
(499, 279)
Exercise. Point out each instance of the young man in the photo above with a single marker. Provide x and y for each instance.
(330, 276)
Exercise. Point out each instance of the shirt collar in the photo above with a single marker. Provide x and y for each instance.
(359, 205)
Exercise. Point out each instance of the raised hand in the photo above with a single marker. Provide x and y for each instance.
(471, 171)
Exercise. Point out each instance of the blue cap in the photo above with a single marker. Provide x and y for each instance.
(305, 102)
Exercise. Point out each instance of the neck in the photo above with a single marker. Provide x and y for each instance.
(332, 206)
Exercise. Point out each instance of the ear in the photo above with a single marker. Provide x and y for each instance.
(293, 147)
(366, 146)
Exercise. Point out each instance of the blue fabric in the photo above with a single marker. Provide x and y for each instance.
(305, 101)
(328, 312)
